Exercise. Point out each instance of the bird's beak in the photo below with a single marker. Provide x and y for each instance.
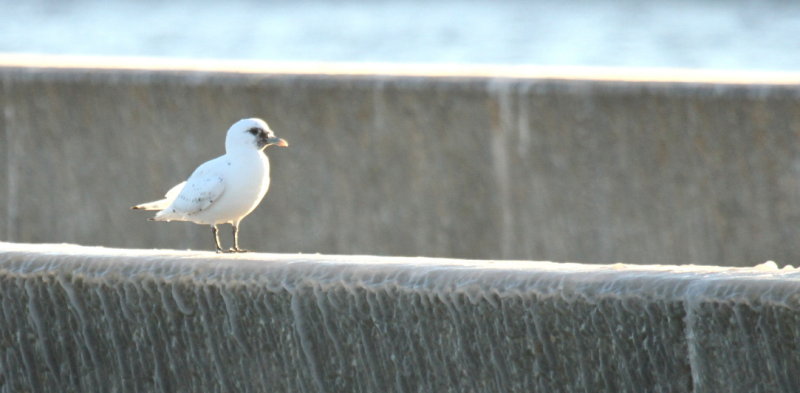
(278, 142)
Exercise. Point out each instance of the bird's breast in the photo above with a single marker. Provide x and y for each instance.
(251, 177)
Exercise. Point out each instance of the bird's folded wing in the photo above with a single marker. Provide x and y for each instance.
(199, 193)
(174, 191)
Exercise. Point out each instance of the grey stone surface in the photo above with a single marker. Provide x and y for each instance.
(6, 206)
(471, 167)
(80, 319)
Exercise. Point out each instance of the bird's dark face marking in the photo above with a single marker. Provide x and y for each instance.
(260, 135)
(263, 137)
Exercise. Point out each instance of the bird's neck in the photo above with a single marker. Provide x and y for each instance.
(244, 152)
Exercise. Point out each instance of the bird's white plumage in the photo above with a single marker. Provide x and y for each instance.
(225, 189)
(162, 203)
(174, 191)
(204, 187)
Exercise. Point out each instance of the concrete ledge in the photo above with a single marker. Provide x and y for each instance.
(101, 320)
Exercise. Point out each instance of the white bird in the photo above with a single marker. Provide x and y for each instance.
(227, 188)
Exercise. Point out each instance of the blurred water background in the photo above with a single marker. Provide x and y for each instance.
(710, 34)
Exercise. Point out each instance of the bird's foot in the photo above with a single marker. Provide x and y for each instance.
(237, 250)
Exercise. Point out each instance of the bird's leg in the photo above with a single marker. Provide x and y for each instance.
(216, 238)
(236, 239)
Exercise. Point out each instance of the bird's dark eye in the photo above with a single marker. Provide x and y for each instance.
(254, 130)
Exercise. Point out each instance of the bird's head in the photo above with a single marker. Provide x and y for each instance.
(251, 134)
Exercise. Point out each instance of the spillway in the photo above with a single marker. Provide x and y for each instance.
(91, 319)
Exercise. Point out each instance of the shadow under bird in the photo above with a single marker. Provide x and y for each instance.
(226, 189)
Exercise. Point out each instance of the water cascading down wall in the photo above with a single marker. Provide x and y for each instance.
(490, 166)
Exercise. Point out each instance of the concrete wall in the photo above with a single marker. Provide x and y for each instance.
(78, 319)
(459, 166)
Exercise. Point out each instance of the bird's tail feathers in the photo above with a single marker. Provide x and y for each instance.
(163, 203)
(154, 205)
(167, 215)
